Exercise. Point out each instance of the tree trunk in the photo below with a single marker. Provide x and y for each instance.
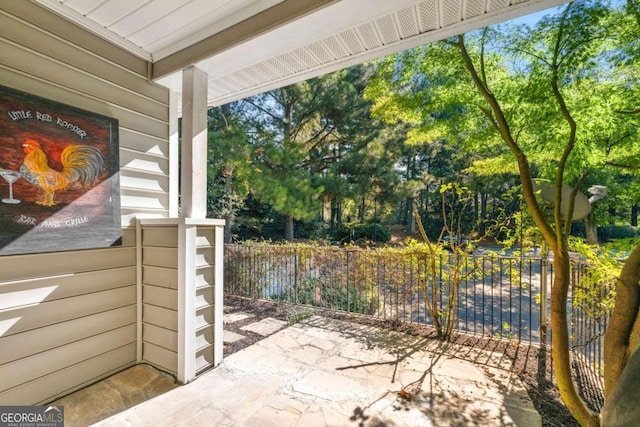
(228, 189)
(411, 223)
(621, 407)
(228, 185)
(591, 229)
(288, 230)
(228, 229)
(560, 340)
(619, 333)
(333, 215)
(555, 236)
(635, 210)
(407, 213)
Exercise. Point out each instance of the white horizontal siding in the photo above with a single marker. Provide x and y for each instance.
(89, 81)
(160, 236)
(161, 257)
(161, 357)
(204, 358)
(35, 291)
(143, 143)
(160, 297)
(49, 68)
(159, 316)
(33, 266)
(144, 199)
(22, 319)
(128, 119)
(57, 335)
(204, 257)
(68, 319)
(159, 250)
(204, 338)
(205, 276)
(35, 366)
(143, 181)
(204, 296)
(204, 317)
(129, 236)
(72, 55)
(143, 162)
(161, 337)
(58, 27)
(205, 237)
(160, 276)
(62, 382)
(129, 215)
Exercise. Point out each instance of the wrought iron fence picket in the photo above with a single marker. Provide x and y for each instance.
(399, 286)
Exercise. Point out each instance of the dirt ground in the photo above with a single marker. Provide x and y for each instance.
(531, 363)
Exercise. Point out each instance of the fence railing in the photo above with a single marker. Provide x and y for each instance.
(589, 317)
(498, 296)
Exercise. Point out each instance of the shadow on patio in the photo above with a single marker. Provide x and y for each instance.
(329, 372)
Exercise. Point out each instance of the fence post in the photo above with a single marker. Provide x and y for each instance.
(295, 274)
(347, 283)
(543, 298)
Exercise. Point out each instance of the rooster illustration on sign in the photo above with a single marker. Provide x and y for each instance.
(80, 164)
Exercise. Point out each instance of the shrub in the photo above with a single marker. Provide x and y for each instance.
(373, 231)
(614, 232)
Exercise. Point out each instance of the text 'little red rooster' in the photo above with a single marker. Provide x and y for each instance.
(80, 163)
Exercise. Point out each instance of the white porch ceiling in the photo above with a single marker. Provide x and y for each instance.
(319, 37)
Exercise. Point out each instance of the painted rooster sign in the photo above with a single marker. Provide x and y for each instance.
(80, 163)
(60, 188)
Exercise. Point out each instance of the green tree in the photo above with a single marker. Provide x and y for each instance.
(286, 130)
(315, 143)
(540, 93)
(228, 171)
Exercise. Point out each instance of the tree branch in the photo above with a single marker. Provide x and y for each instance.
(636, 111)
(564, 110)
(503, 129)
(267, 112)
(622, 165)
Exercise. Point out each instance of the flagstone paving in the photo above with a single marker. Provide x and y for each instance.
(231, 337)
(265, 327)
(323, 372)
(235, 317)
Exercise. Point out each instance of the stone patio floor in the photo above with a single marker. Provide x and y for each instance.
(326, 372)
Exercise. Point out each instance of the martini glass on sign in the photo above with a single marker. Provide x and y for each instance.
(11, 177)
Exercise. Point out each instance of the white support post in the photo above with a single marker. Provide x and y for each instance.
(174, 154)
(194, 143)
(186, 302)
(138, 292)
(218, 296)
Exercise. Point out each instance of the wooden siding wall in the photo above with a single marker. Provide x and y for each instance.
(160, 297)
(68, 319)
(205, 292)
(180, 281)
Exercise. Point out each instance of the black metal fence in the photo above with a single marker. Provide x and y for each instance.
(589, 316)
(497, 296)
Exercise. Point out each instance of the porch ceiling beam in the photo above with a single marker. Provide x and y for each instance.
(265, 21)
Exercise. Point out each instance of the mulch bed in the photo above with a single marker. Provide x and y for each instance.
(531, 363)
